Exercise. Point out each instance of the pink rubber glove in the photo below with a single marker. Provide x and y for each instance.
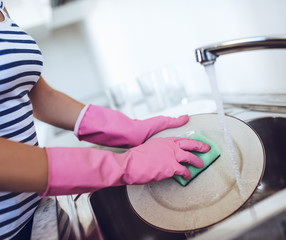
(109, 127)
(80, 170)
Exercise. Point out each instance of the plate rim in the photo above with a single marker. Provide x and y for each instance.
(235, 211)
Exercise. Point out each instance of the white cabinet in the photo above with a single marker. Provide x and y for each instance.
(38, 17)
(70, 12)
(32, 15)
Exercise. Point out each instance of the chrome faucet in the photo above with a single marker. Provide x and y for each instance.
(207, 55)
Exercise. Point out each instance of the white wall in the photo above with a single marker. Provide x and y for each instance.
(135, 36)
(120, 40)
(68, 64)
(123, 39)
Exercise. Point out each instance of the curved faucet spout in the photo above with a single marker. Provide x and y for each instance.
(207, 55)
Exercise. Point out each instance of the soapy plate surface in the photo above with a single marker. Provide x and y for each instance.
(213, 195)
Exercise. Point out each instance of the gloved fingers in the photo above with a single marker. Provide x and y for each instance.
(191, 145)
(183, 171)
(161, 123)
(190, 158)
(177, 122)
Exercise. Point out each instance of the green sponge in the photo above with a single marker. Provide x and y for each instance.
(208, 158)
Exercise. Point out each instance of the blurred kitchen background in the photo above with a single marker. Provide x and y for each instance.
(93, 46)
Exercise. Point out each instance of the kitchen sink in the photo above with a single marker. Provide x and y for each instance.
(272, 131)
(118, 221)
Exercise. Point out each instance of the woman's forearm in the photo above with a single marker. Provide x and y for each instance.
(54, 107)
(23, 168)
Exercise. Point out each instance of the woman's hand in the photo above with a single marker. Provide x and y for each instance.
(112, 128)
(79, 170)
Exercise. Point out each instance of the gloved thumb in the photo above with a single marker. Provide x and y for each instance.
(177, 122)
(160, 123)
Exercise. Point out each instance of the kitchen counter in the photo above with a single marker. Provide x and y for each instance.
(265, 220)
(81, 223)
(45, 220)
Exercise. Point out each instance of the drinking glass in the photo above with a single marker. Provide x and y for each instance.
(118, 98)
(162, 88)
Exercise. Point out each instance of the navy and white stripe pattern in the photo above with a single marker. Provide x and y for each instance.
(20, 68)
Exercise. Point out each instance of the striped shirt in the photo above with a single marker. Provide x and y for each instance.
(20, 68)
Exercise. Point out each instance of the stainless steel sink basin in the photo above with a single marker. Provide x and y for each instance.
(118, 221)
(272, 131)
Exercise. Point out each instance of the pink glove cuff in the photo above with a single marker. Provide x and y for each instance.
(79, 119)
(81, 170)
(50, 176)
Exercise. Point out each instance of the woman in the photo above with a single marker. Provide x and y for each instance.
(29, 172)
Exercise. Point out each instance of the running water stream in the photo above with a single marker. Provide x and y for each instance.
(210, 70)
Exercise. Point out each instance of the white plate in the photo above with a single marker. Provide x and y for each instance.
(214, 194)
